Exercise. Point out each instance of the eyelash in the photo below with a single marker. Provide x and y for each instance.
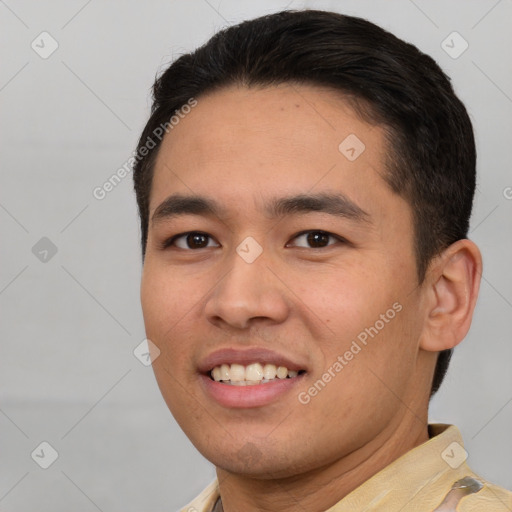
(170, 241)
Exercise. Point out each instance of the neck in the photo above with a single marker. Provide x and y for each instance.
(320, 489)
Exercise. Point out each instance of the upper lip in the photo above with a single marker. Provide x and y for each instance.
(247, 356)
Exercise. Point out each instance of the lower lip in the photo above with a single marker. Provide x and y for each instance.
(256, 395)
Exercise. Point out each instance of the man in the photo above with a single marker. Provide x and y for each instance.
(304, 215)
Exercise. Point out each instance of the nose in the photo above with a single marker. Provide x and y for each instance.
(248, 293)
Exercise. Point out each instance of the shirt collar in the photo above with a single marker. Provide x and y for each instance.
(417, 480)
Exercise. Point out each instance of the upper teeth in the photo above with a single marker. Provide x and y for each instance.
(254, 373)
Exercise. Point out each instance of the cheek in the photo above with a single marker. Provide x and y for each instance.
(367, 320)
(158, 304)
(166, 306)
(168, 309)
(347, 300)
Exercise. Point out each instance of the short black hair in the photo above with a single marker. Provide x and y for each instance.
(431, 157)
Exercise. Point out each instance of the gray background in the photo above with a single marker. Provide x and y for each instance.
(70, 324)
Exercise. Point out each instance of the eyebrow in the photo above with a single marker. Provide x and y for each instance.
(333, 204)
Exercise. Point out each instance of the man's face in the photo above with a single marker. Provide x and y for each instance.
(335, 281)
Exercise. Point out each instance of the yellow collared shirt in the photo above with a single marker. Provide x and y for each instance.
(431, 477)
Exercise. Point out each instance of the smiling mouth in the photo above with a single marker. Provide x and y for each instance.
(251, 374)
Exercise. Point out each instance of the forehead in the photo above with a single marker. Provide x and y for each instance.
(244, 144)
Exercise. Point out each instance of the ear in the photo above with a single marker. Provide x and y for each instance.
(452, 285)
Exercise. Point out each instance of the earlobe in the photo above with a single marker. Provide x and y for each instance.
(452, 293)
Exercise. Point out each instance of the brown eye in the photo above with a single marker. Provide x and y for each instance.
(318, 239)
(192, 240)
(197, 240)
(315, 239)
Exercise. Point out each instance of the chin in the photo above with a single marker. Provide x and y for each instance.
(255, 462)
